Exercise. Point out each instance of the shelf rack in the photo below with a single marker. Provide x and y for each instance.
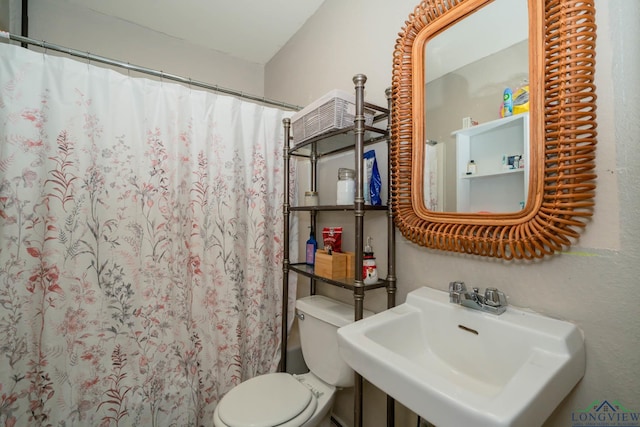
(351, 139)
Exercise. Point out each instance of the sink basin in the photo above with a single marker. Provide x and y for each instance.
(455, 366)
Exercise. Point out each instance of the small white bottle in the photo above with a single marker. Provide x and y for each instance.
(471, 167)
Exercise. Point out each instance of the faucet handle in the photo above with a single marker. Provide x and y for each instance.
(456, 289)
(457, 286)
(495, 298)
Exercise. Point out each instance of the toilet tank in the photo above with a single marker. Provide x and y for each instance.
(319, 318)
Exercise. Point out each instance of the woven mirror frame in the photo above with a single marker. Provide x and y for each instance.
(560, 201)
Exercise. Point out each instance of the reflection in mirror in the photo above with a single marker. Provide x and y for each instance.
(466, 73)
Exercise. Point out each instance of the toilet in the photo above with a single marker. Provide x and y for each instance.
(286, 400)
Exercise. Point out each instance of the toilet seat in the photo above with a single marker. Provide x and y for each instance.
(268, 400)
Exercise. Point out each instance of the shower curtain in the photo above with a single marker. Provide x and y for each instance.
(434, 177)
(140, 245)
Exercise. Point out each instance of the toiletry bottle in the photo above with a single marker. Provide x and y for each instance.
(312, 245)
(471, 167)
(369, 269)
(507, 104)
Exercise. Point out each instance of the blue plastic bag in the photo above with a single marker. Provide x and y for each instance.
(372, 182)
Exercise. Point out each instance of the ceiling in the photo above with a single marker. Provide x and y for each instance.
(247, 29)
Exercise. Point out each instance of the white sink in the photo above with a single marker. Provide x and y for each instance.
(455, 366)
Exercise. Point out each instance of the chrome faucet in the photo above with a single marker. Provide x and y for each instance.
(493, 301)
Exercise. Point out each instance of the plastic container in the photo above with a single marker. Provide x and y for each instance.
(311, 198)
(521, 98)
(346, 187)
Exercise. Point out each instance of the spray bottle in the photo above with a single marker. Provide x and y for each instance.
(507, 103)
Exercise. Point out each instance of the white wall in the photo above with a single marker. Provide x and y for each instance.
(595, 284)
(5, 13)
(60, 23)
(10, 12)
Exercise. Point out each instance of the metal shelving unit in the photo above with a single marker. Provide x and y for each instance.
(351, 139)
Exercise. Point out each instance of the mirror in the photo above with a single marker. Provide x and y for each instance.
(466, 73)
(562, 135)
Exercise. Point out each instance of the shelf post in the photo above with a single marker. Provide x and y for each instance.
(358, 293)
(391, 252)
(282, 367)
(313, 215)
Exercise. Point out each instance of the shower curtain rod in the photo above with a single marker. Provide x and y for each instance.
(160, 74)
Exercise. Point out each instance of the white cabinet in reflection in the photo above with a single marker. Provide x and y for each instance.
(499, 180)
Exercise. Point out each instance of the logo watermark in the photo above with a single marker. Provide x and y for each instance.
(605, 414)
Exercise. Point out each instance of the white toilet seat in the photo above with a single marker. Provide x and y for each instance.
(268, 400)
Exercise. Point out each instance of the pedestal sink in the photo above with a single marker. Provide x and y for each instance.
(456, 367)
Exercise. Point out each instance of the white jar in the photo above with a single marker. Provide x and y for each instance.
(346, 189)
(311, 198)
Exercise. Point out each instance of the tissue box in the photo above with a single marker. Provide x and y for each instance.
(332, 266)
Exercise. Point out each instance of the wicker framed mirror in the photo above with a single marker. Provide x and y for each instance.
(562, 135)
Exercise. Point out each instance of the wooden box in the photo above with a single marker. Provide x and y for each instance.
(332, 266)
(351, 264)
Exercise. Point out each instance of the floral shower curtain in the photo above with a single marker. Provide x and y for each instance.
(140, 245)
(434, 177)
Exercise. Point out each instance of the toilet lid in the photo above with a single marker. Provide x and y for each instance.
(264, 401)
